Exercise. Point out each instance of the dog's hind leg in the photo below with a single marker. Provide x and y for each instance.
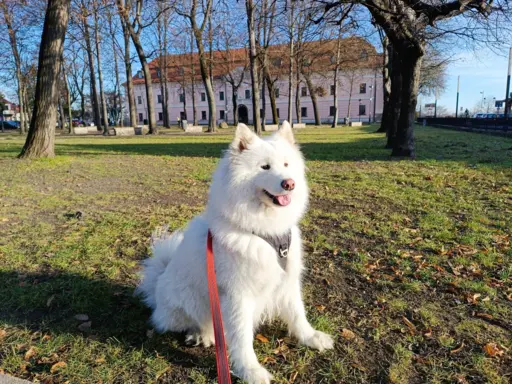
(172, 319)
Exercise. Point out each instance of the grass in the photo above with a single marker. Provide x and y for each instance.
(413, 257)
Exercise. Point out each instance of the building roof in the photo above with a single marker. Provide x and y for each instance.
(315, 56)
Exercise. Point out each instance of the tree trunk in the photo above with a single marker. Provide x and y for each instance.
(90, 58)
(255, 83)
(273, 104)
(207, 81)
(297, 99)
(129, 80)
(17, 62)
(314, 99)
(291, 58)
(193, 80)
(118, 100)
(100, 72)
(41, 136)
(386, 112)
(234, 93)
(403, 145)
(147, 82)
(62, 123)
(395, 98)
(263, 106)
(351, 88)
(71, 130)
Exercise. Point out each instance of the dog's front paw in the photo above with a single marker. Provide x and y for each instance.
(319, 340)
(256, 375)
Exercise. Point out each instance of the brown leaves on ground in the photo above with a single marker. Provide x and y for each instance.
(458, 349)
(58, 366)
(261, 338)
(493, 350)
(32, 351)
(348, 334)
(3, 332)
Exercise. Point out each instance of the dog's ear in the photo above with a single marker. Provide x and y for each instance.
(243, 138)
(286, 132)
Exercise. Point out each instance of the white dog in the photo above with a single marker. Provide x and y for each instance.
(257, 197)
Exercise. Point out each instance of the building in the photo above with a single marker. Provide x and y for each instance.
(10, 112)
(360, 93)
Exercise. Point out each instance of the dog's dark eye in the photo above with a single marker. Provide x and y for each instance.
(266, 167)
(285, 164)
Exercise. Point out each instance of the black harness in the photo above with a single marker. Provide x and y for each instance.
(281, 244)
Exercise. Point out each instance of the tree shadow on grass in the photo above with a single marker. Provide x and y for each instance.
(111, 307)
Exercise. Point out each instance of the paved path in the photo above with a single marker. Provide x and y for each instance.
(6, 379)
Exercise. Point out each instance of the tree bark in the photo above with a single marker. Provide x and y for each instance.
(62, 123)
(100, 71)
(71, 130)
(253, 60)
(403, 145)
(386, 111)
(92, 73)
(234, 94)
(273, 103)
(17, 62)
(129, 79)
(395, 98)
(41, 136)
(314, 99)
(297, 98)
(291, 58)
(193, 80)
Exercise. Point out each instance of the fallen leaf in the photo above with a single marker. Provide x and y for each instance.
(3, 332)
(484, 316)
(428, 333)
(261, 338)
(359, 366)
(2, 372)
(57, 366)
(30, 353)
(493, 350)
(320, 307)
(458, 349)
(81, 317)
(293, 376)
(50, 300)
(46, 337)
(269, 360)
(408, 322)
(100, 360)
(348, 334)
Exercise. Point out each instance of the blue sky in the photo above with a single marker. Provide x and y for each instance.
(479, 71)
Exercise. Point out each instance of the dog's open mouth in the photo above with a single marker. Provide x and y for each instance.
(282, 200)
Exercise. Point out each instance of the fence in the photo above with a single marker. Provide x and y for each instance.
(482, 125)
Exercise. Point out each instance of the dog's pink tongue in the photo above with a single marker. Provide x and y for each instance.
(284, 200)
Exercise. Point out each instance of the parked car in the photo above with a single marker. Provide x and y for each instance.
(9, 125)
(479, 116)
(78, 123)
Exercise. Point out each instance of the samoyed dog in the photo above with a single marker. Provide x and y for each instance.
(256, 199)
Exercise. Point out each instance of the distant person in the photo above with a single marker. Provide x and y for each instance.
(466, 113)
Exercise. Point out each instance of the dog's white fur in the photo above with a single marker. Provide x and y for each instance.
(252, 285)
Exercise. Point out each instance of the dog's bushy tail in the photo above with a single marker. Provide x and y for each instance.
(163, 246)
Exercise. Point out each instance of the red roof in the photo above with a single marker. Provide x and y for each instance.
(317, 56)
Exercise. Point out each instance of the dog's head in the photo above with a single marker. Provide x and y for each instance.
(260, 184)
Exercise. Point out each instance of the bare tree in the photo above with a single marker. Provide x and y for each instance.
(97, 39)
(198, 25)
(135, 28)
(162, 33)
(41, 136)
(128, 68)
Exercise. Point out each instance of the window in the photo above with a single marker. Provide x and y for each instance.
(221, 95)
(332, 110)
(182, 97)
(304, 91)
(333, 89)
(362, 110)
(203, 96)
(141, 117)
(203, 115)
(276, 92)
(304, 112)
(139, 99)
(362, 88)
(278, 112)
(247, 93)
(277, 62)
(222, 115)
(160, 116)
(159, 99)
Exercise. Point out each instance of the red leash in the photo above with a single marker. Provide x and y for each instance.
(224, 376)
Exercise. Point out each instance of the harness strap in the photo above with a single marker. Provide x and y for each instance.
(223, 373)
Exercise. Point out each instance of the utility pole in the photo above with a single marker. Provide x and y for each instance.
(507, 95)
(457, 103)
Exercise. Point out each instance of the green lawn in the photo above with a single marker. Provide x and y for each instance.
(409, 262)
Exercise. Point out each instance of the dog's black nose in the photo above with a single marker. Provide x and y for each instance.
(288, 184)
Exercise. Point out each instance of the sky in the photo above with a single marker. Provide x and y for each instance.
(481, 71)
